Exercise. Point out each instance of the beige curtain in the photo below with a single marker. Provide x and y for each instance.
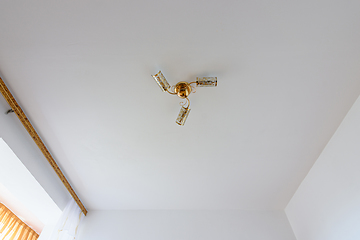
(12, 228)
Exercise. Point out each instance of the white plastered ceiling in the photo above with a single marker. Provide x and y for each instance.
(287, 71)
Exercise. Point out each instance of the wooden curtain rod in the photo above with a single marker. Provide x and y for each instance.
(25, 121)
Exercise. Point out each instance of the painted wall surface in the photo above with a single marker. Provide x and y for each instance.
(22, 194)
(17, 138)
(186, 225)
(46, 232)
(326, 206)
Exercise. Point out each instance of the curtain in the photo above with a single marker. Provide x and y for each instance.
(68, 224)
(12, 228)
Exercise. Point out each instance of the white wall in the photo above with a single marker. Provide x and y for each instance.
(186, 225)
(17, 138)
(326, 206)
(22, 194)
(46, 232)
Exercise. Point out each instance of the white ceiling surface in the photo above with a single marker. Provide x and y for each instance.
(287, 71)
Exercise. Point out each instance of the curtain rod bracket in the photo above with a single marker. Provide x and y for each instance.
(9, 111)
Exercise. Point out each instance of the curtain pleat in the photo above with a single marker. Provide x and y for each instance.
(12, 228)
(67, 225)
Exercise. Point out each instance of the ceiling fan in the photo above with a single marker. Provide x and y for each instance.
(182, 90)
